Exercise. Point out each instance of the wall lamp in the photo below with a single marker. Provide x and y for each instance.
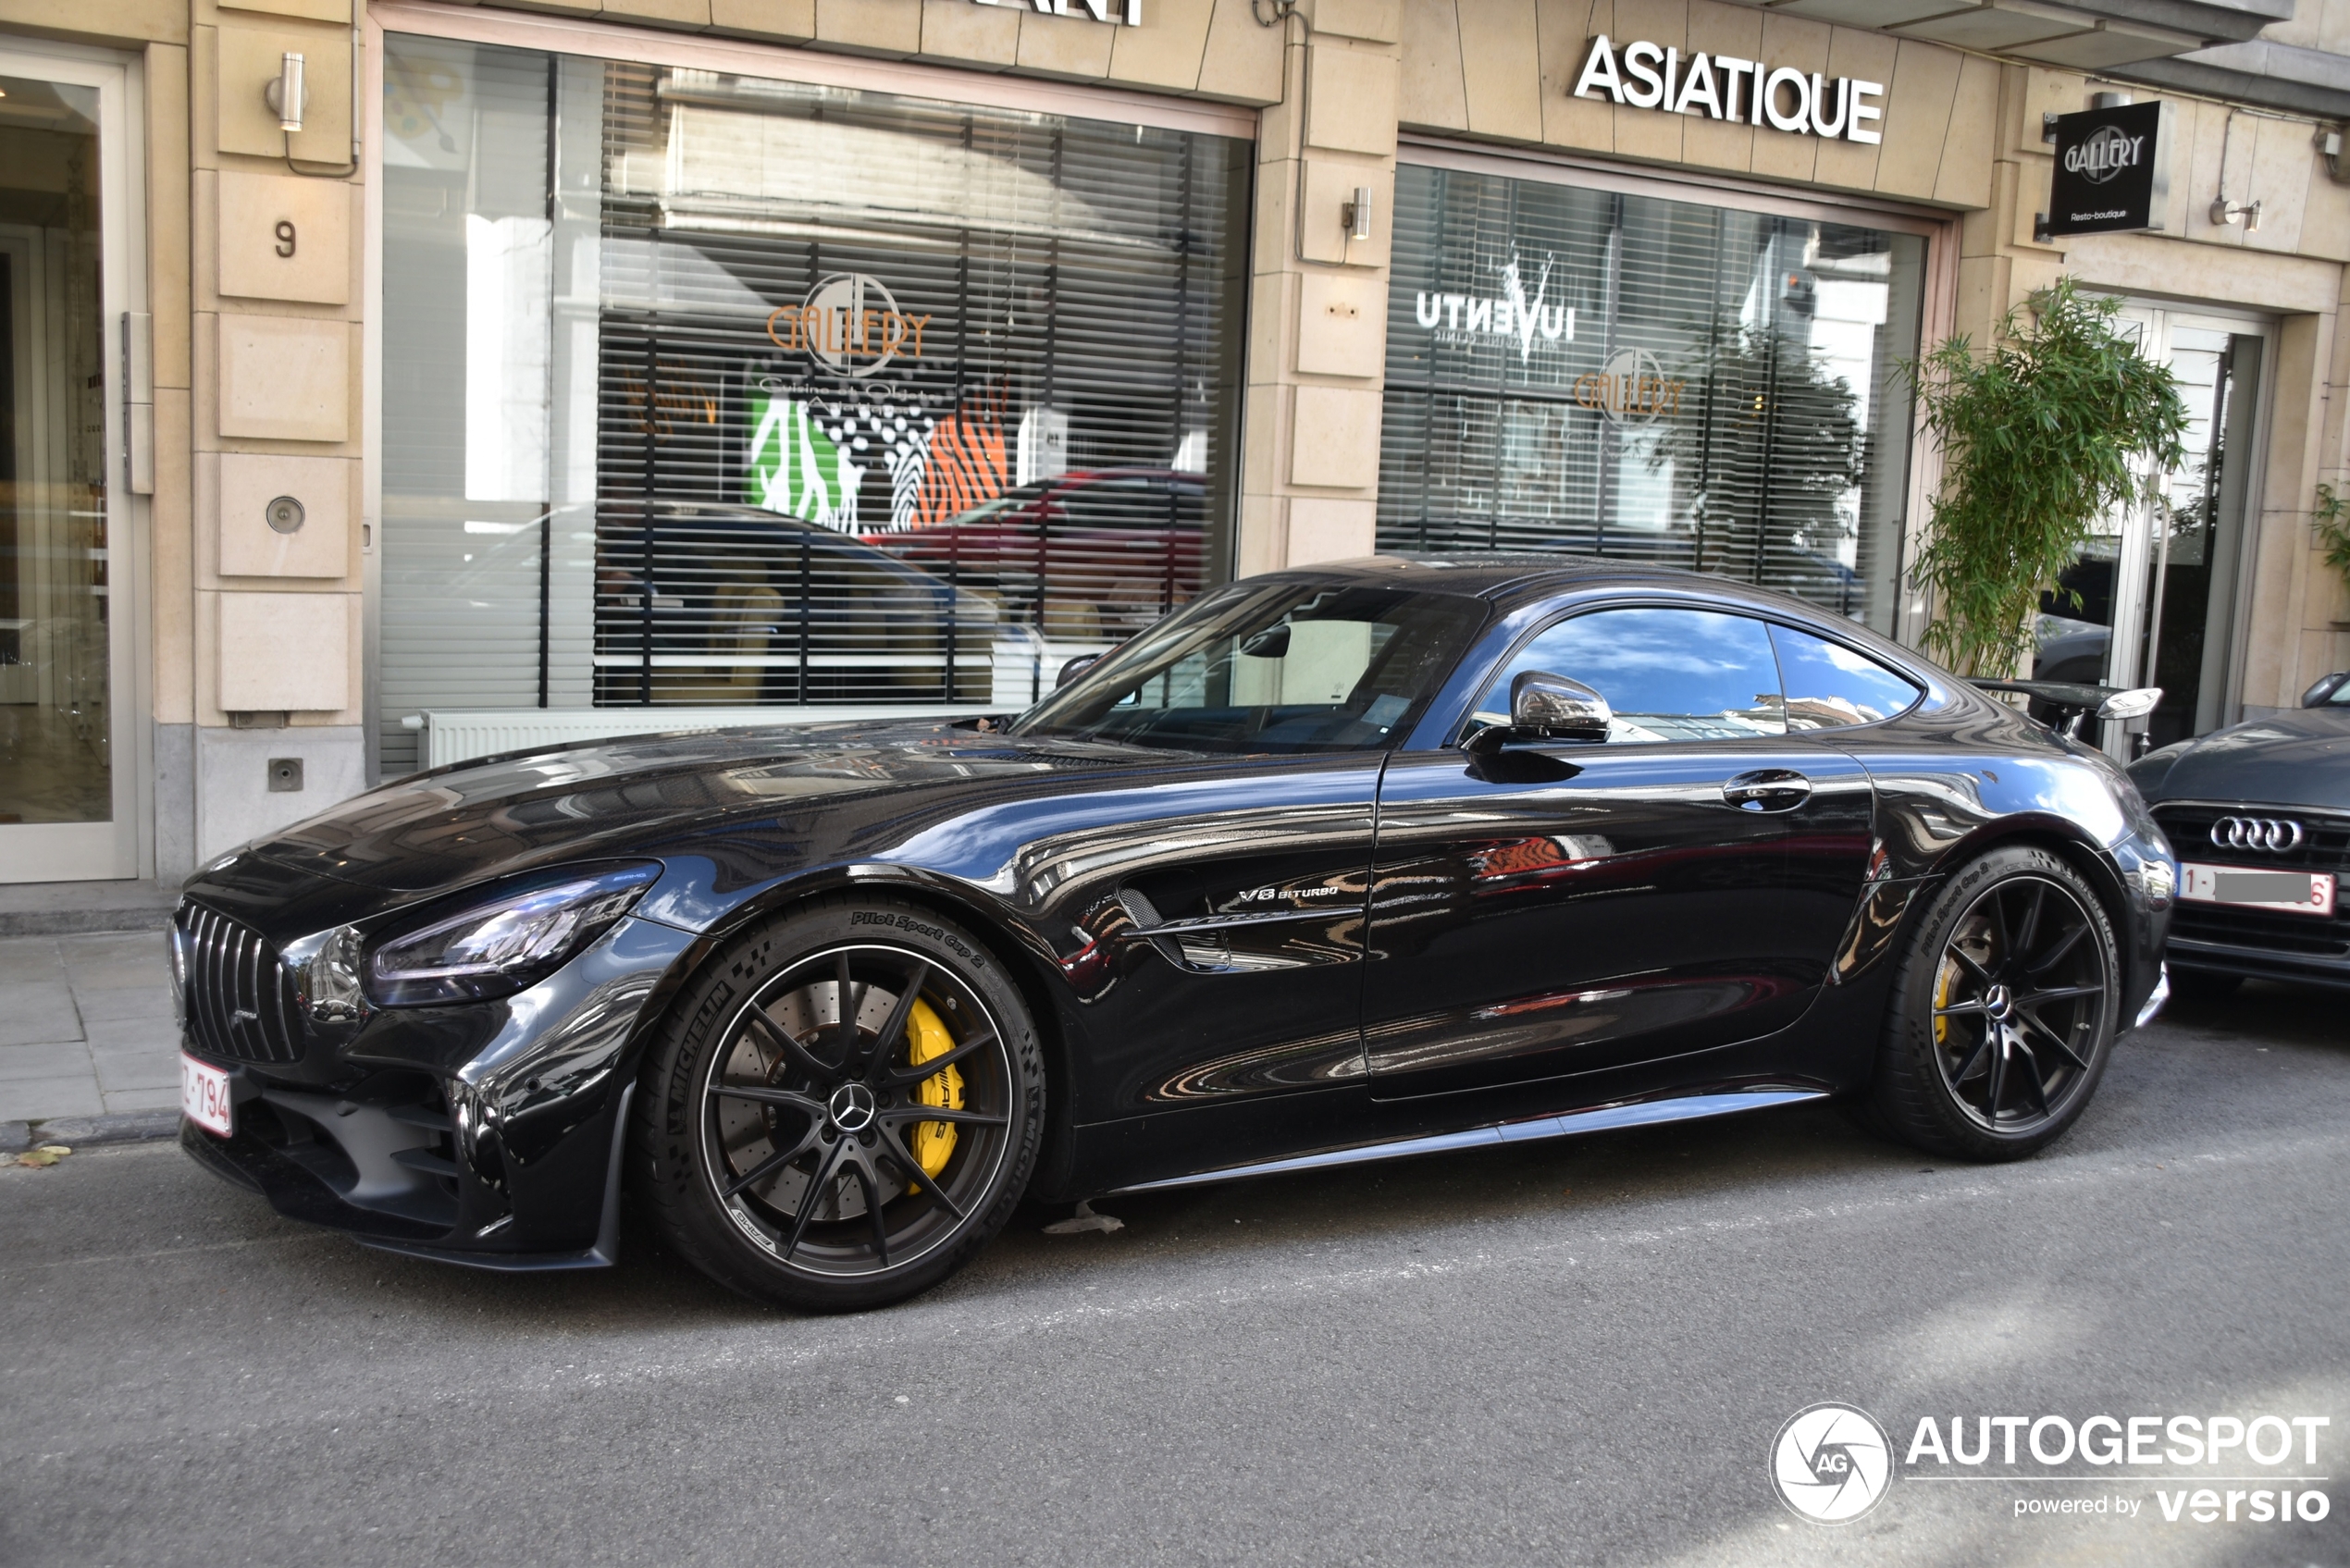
(1356, 215)
(2224, 212)
(285, 94)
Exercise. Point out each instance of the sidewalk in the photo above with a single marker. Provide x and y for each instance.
(85, 1026)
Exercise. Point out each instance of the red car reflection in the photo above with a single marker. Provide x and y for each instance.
(1091, 556)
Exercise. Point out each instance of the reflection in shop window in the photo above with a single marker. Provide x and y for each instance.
(1629, 376)
(793, 395)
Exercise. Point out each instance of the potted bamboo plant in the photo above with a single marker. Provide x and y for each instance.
(2040, 436)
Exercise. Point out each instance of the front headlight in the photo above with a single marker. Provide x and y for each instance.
(504, 943)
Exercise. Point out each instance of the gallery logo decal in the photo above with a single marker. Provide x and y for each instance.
(1464, 320)
(815, 435)
(1831, 1463)
(1631, 387)
(850, 326)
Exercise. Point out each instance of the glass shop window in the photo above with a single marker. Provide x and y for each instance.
(714, 390)
(1630, 377)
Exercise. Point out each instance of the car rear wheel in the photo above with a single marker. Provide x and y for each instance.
(2004, 1012)
(843, 1108)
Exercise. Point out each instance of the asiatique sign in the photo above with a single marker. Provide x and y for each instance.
(1723, 87)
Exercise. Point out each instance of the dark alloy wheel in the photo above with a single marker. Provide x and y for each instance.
(2004, 1013)
(847, 1110)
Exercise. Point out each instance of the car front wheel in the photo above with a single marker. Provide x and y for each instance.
(2004, 1012)
(843, 1107)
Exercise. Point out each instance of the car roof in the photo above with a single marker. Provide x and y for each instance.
(1512, 577)
(1511, 581)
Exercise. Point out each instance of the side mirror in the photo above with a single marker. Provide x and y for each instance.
(1547, 707)
(2319, 695)
(1554, 706)
(1075, 668)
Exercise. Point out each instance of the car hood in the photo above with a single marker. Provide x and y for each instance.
(641, 796)
(2300, 757)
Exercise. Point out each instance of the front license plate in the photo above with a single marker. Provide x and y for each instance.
(2294, 892)
(203, 1096)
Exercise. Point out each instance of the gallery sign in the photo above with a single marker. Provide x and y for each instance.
(2112, 170)
(1646, 76)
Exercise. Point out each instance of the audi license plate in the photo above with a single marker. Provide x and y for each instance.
(203, 1096)
(2293, 893)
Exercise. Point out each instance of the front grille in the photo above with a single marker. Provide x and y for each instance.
(2325, 844)
(240, 1005)
(2325, 847)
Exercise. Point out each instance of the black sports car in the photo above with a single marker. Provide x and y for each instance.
(1334, 864)
(2260, 813)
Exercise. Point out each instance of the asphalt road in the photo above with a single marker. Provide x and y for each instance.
(1572, 1352)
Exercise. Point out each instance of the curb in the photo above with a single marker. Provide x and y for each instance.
(82, 1132)
(82, 922)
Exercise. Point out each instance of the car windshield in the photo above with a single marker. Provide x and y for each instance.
(1270, 667)
(2341, 698)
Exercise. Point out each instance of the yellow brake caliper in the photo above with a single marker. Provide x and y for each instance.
(1941, 1000)
(927, 1037)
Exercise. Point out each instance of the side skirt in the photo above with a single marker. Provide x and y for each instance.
(1601, 1118)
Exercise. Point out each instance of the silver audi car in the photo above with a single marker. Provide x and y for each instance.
(2259, 816)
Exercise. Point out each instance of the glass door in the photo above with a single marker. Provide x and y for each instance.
(2151, 600)
(68, 785)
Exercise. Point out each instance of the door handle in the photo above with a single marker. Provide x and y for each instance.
(1768, 789)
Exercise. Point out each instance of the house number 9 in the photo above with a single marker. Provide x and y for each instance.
(285, 237)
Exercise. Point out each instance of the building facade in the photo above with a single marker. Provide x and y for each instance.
(393, 385)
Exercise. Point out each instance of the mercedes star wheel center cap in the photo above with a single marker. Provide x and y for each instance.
(1997, 1002)
(851, 1107)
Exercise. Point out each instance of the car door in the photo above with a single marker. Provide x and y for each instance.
(1219, 895)
(1558, 908)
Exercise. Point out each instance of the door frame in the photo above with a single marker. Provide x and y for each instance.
(123, 846)
(2160, 316)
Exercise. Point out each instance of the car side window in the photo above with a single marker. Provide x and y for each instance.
(1669, 675)
(1828, 686)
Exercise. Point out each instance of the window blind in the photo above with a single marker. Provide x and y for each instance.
(1630, 377)
(703, 389)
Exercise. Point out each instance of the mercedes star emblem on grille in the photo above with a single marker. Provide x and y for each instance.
(2272, 834)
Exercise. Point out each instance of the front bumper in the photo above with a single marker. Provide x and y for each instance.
(489, 1135)
(2149, 880)
(2259, 963)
